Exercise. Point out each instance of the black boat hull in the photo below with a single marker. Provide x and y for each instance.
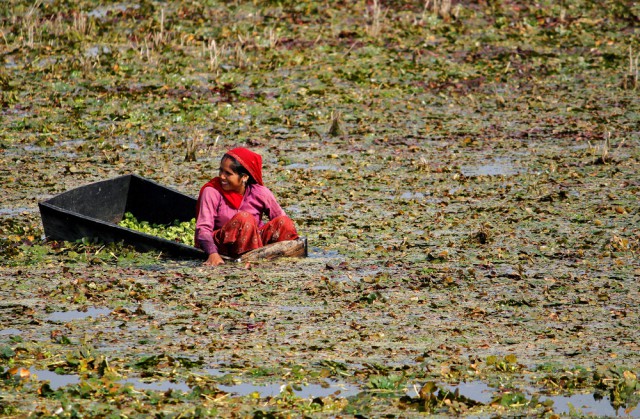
(93, 211)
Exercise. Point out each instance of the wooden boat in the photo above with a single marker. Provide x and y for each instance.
(93, 211)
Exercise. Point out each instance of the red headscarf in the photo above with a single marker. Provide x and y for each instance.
(250, 161)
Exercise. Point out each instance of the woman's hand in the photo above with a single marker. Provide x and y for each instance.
(214, 259)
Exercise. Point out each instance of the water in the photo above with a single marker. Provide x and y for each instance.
(67, 316)
(584, 404)
(318, 253)
(244, 389)
(332, 388)
(59, 380)
(10, 332)
(156, 385)
(500, 167)
(55, 380)
(293, 209)
(296, 166)
(326, 167)
(295, 309)
(214, 372)
(16, 211)
(474, 390)
(412, 195)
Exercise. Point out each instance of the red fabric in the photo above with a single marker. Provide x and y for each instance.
(241, 234)
(250, 161)
(234, 199)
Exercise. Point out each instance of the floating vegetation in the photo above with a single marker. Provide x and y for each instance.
(467, 173)
(180, 231)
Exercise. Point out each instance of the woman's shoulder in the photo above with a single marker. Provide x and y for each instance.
(210, 192)
(261, 192)
(260, 189)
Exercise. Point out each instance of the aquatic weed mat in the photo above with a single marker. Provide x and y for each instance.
(466, 177)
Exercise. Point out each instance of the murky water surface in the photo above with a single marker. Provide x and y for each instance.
(324, 167)
(305, 390)
(55, 380)
(156, 385)
(67, 316)
(584, 404)
(499, 167)
(17, 211)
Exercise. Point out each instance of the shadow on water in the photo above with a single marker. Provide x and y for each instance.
(67, 316)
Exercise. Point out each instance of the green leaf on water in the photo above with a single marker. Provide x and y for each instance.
(6, 352)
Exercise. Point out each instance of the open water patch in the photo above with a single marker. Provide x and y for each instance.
(575, 404)
(323, 167)
(156, 385)
(412, 195)
(474, 390)
(67, 316)
(328, 388)
(55, 380)
(295, 309)
(586, 404)
(317, 253)
(499, 167)
(6, 332)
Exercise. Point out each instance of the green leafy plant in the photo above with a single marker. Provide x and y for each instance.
(621, 384)
(180, 231)
(389, 382)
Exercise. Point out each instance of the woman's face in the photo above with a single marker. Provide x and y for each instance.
(230, 180)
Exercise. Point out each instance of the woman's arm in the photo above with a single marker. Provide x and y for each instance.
(205, 225)
(272, 208)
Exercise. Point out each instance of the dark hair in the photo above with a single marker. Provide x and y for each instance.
(239, 169)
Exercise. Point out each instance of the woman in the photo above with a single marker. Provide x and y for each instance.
(230, 209)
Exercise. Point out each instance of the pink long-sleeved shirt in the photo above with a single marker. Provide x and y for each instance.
(215, 212)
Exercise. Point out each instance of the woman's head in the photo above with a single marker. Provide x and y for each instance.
(248, 162)
(229, 162)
